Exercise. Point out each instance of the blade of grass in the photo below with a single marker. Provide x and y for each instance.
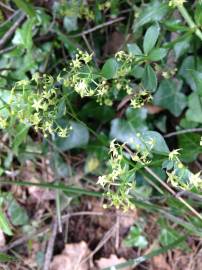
(150, 255)
(167, 187)
(58, 210)
(6, 258)
(173, 192)
(55, 186)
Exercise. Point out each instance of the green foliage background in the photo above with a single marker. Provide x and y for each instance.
(61, 96)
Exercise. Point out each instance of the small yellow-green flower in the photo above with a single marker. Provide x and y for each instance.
(173, 154)
(176, 3)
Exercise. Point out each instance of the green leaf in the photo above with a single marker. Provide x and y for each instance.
(125, 132)
(4, 224)
(92, 110)
(194, 111)
(169, 97)
(134, 49)
(190, 145)
(69, 45)
(198, 14)
(4, 258)
(174, 25)
(137, 72)
(157, 54)
(149, 79)
(197, 77)
(189, 65)
(135, 238)
(17, 213)
(70, 23)
(26, 7)
(181, 47)
(78, 137)
(168, 236)
(150, 38)
(153, 12)
(160, 146)
(59, 166)
(23, 36)
(137, 117)
(110, 68)
(21, 134)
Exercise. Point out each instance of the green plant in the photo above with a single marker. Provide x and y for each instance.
(101, 105)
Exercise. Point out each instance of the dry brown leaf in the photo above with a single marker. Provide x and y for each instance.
(111, 261)
(71, 258)
(41, 194)
(2, 239)
(128, 218)
(30, 172)
(159, 263)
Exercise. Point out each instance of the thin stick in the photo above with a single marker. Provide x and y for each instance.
(98, 27)
(50, 247)
(6, 7)
(6, 50)
(10, 32)
(23, 239)
(105, 238)
(173, 192)
(190, 130)
(87, 43)
(10, 18)
(169, 189)
(117, 240)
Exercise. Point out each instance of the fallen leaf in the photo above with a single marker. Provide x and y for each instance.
(159, 263)
(113, 260)
(127, 219)
(71, 258)
(40, 194)
(30, 172)
(61, 262)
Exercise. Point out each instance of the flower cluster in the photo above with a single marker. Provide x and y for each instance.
(125, 61)
(74, 8)
(88, 81)
(34, 102)
(119, 181)
(142, 155)
(140, 98)
(179, 175)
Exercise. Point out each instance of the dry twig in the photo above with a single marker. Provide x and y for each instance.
(98, 27)
(50, 247)
(11, 31)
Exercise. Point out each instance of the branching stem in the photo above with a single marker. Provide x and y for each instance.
(190, 21)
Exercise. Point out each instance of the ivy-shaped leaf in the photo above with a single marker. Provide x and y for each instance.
(169, 97)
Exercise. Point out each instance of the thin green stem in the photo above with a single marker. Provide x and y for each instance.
(152, 173)
(55, 186)
(190, 21)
